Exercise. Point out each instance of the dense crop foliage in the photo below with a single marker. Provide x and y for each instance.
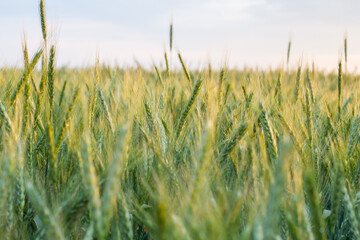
(110, 153)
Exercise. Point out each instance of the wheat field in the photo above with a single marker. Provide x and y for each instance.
(112, 153)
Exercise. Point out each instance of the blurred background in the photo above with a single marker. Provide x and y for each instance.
(253, 33)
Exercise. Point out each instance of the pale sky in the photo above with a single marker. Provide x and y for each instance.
(243, 32)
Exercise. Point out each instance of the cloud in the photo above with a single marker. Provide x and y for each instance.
(213, 14)
(252, 32)
(81, 39)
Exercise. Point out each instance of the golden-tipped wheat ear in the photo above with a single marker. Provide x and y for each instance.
(25, 76)
(26, 108)
(26, 55)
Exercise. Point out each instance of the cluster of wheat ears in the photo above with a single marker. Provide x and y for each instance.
(111, 153)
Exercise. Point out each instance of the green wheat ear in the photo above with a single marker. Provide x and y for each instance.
(353, 139)
(270, 142)
(351, 213)
(62, 94)
(297, 84)
(221, 80)
(53, 227)
(292, 134)
(167, 65)
(126, 225)
(171, 37)
(106, 110)
(288, 53)
(5, 118)
(64, 126)
(91, 184)
(278, 93)
(339, 88)
(308, 79)
(346, 52)
(42, 19)
(314, 205)
(188, 107)
(227, 149)
(109, 201)
(184, 68)
(51, 70)
(26, 108)
(150, 119)
(158, 74)
(337, 184)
